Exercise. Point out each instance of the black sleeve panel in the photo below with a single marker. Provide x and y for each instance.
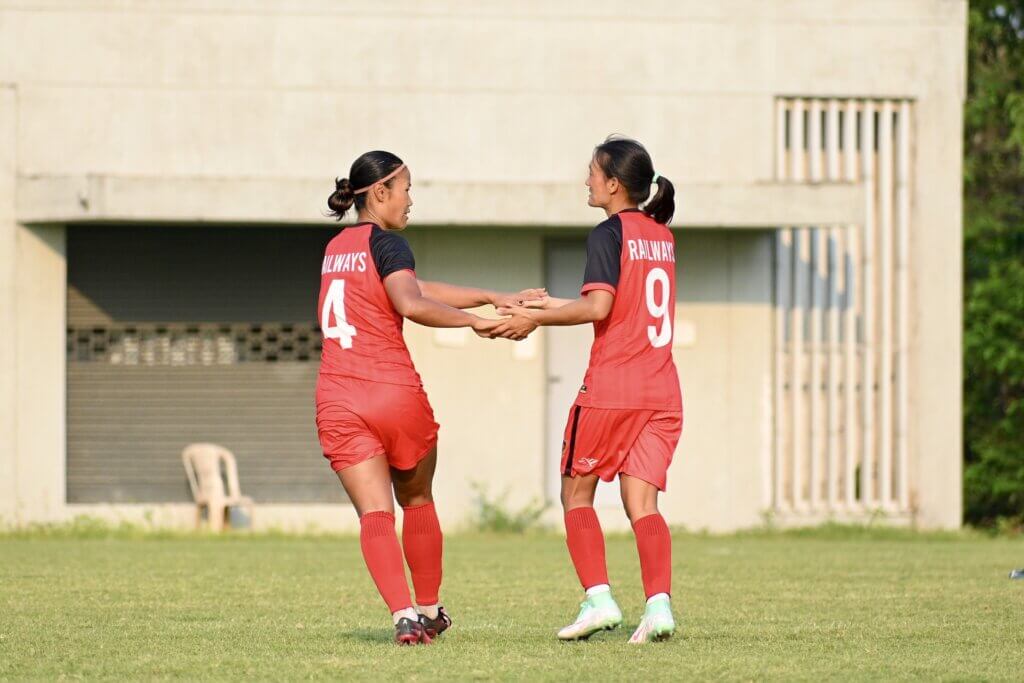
(604, 253)
(390, 251)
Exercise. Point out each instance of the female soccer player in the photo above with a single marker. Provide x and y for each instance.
(627, 418)
(375, 424)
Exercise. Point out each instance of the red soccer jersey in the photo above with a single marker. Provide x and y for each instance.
(362, 332)
(633, 257)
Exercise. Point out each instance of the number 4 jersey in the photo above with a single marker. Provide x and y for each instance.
(633, 257)
(362, 331)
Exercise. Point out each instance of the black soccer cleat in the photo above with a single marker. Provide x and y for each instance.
(410, 632)
(437, 626)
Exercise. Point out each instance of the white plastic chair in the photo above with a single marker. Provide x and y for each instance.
(203, 467)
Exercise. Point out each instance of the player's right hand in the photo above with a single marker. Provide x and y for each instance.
(484, 327)
(517, 327)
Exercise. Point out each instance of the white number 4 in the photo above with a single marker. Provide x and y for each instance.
(658, 337)
(335, 302)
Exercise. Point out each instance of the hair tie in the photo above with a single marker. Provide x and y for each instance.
(654, 181)
(386, 178)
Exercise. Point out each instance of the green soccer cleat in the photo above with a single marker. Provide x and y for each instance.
(598, 612)
(657, 623)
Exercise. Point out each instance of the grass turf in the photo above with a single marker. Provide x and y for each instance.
(828, 604)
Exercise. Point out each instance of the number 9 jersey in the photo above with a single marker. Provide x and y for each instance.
(633, 257)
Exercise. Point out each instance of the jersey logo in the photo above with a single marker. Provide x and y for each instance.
(587, 462)
(583, 389)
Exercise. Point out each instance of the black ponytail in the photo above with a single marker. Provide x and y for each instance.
(368, 169)
(663, 204)
(628, 161)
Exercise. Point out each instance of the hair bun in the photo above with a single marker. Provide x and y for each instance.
(342, 198)
(343, 186)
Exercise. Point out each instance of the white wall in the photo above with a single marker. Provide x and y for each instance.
(497, 95)
(488, 91)
(8, 339)
(724, 285)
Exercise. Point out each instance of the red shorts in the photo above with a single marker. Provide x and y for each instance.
(357, 419)
(612, 441)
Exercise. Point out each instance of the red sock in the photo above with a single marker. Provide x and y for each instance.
(384, 558)
(586, 546)
(423, 544)
(654, 544)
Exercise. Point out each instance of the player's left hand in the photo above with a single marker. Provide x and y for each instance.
(542, 303)
(519, 298)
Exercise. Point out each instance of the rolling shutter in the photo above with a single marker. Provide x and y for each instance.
(185, 334)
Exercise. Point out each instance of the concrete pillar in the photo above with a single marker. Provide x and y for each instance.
(40, 350)
(936, 427)
(33, 276)
(8, 241)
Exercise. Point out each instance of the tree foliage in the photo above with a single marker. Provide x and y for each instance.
(994, 263)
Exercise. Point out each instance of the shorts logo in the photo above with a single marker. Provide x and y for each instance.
(587, 462)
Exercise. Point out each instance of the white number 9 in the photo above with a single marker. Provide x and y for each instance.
(658, 337)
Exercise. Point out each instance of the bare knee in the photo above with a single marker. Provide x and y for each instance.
(412, 496)
(415, 486)
(367, 502)
(577, 492)
(639, 498)
(570, 501)
(641, 509)
(414, 500)
(375, 507)
(368, 486)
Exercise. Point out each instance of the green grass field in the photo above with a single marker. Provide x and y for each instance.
(839, 604)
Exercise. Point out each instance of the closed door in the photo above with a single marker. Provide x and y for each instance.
(568, 352)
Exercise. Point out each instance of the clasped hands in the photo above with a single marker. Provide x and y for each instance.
(518, 322)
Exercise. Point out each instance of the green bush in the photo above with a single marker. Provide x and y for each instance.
(493, 514)
(994, 396)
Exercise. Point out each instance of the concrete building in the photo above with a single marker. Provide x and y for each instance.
(164, 168)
